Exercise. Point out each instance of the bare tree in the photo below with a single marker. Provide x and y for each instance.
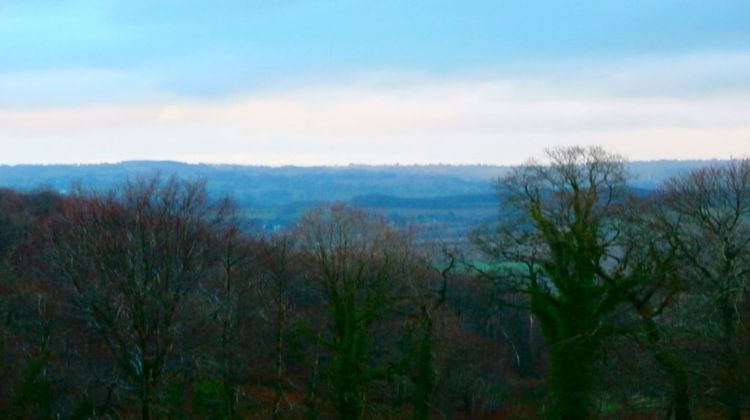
(230, 297)
(556, 239)
(133, 259)
(281, 276)
(645, 271)
(362, 270)
(707, 213)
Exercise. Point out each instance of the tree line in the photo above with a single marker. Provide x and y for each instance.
(585, 299)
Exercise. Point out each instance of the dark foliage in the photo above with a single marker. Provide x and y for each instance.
(588, 298)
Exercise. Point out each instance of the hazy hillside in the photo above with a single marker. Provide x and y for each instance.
(440, 198)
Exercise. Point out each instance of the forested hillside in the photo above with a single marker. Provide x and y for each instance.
(584, 296)
(444, 200)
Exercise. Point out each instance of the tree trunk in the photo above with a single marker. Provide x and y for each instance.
(425, 378)
(734, 411)
(731, 398)
(677, 375)
(146, 402)
(571, 379)
(279, 350)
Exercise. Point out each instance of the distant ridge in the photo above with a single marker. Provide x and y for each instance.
(351, 180)
(455, 197)
(471, 170)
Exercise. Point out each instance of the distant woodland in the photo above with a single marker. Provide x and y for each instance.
(444, 201)
(578, 287)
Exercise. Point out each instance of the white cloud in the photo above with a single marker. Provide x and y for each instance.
(694, 106)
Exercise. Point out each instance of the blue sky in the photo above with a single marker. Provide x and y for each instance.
(333, 82)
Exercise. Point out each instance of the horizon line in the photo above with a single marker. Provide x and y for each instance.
(335, 165)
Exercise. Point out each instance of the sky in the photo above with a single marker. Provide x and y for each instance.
(333, 82)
